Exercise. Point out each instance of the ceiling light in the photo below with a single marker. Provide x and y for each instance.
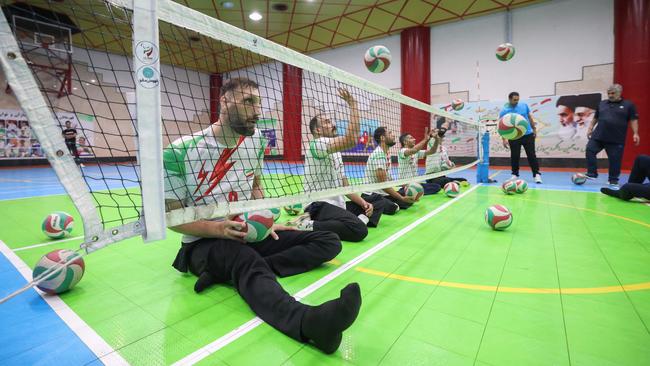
(255, 16)
(228, 4)
(93, 80)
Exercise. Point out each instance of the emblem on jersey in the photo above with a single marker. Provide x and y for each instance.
(221, 168)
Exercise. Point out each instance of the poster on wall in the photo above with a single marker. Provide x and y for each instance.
(562, 123)
(17, 141)
(365, 141)
(267, 129)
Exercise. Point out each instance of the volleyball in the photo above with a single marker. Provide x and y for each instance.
(377, 59)
(512, 126)
(521, 186)
(498, 217)
(276, 213)
(257, 224)
(64, 278)
(294, 209)
(578, 178)
(413, 190)
(451, 189)
(509, 187)
(505, 51)
(57, 225)
(457, 104)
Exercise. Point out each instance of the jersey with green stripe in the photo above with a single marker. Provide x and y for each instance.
(407, 166)
(324, 170)
(377, 160)
(199, 170)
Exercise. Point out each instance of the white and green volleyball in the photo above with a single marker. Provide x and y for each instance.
(294, 209)
(512, 126)
(521, 186)
(257, 224)
(413, 190)
(509, 187)
(578, 178)
(498, 217)
(457, 104)
(276, 213)
(57, 225)
(505, 51)
(63, 278)
(377, 59)
(452, 189)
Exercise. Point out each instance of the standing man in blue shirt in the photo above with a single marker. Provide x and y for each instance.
(611, 120)
(527, 141)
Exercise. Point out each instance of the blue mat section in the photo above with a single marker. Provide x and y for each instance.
(32, 333)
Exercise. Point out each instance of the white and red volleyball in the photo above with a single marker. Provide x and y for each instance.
(57, 225)
(505, 51)
(498, 217)
(452, 189)
(63, 278)
(377, 59)
(257, 224)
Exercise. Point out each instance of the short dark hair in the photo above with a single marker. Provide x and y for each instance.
(379, 132)
(402, 138)
(237, 83)
(568, 101)
(512, 94)
(313, 124)
(232, 84)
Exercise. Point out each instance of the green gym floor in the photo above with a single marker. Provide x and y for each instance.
(567, 284)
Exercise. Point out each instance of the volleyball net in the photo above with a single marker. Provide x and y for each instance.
(167, 139)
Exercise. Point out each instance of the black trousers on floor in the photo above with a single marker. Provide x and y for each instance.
(375, 198)
(378, 207)
(634, 186)
(253, 268)
(345, 224)
(441, 181)
(614, 157)
(528, 142)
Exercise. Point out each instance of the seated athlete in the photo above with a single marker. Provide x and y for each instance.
(223, 163)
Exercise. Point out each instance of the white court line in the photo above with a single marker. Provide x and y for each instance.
(238, 332)
(95, 343)
(47, 243)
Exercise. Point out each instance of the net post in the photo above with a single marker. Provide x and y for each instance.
(482, 170)
(146, 58)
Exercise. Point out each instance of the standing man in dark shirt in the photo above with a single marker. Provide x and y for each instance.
(611, 120)
(70, 136)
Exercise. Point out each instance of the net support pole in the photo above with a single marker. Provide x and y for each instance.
(483, 168)
(147, 93)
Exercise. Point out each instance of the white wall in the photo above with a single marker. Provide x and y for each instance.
(350, 58)
(553, 41)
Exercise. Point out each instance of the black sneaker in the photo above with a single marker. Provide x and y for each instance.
(591, 176)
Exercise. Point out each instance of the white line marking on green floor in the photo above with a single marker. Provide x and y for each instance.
(52, 242)
(95, 343)
(238, 332)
